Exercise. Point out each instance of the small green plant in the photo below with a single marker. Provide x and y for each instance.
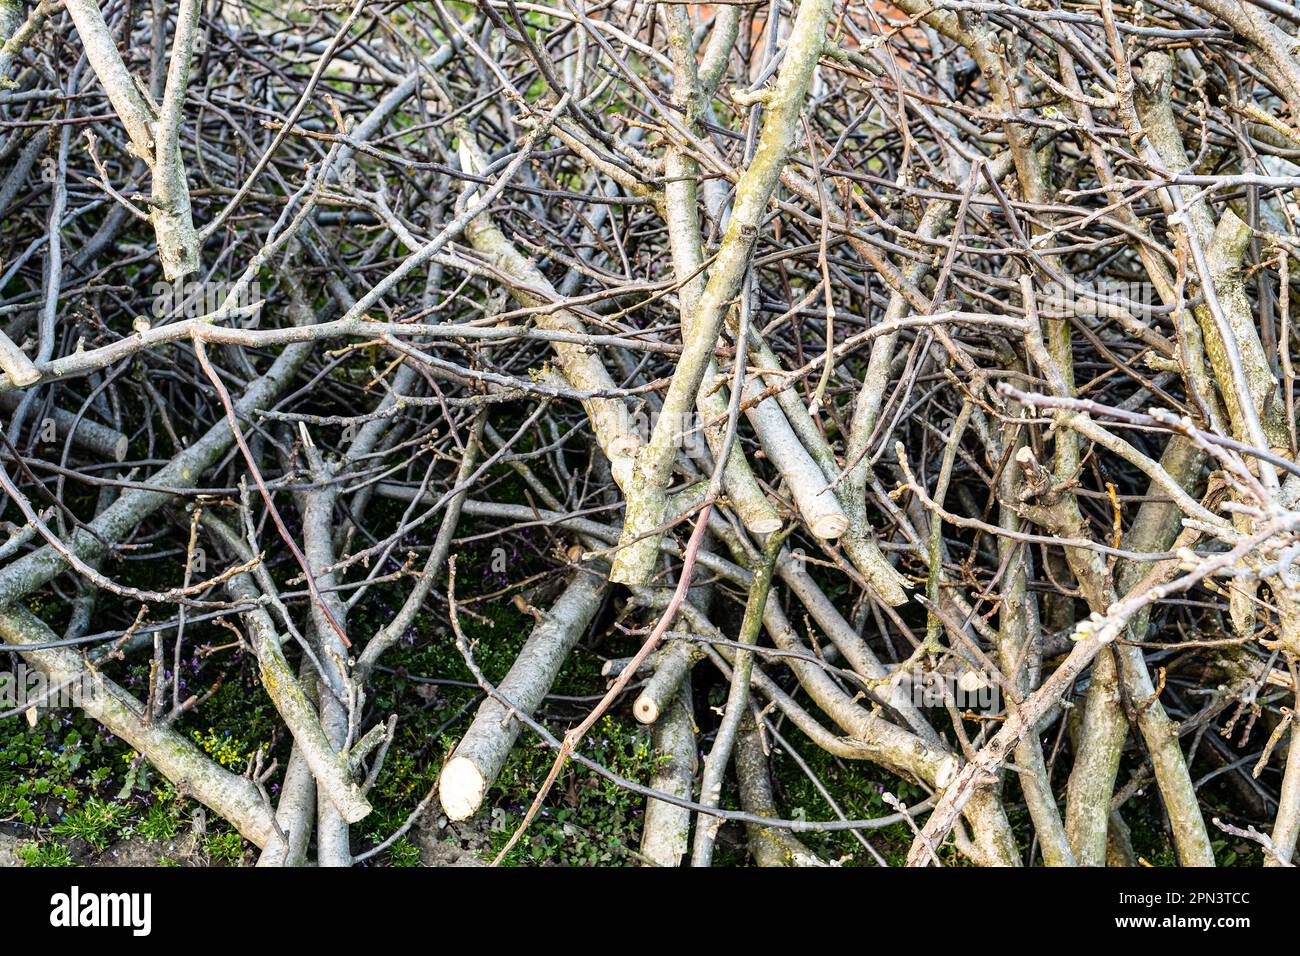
(225, 748)
(588, 820)
(160, 822)
(38, 770)
(226, 847)
(46, 854)
(97, 822)
(403, 853)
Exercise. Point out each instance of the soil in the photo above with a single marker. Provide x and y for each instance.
(443, 843)
(9, 850)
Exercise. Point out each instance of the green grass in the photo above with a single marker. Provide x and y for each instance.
(96, 822)
(47, 853)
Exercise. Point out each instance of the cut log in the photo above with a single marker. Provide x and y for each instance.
(808, 486)
(107, 443)
(16, 364)
(675, 662)
(482, 752)
(664, 837)
(614, 667)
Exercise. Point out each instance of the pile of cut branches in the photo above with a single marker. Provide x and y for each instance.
(917, 378)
